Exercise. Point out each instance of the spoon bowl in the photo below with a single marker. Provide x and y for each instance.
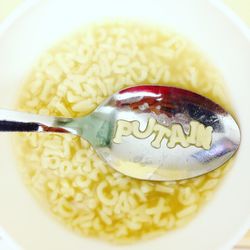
(156, 133)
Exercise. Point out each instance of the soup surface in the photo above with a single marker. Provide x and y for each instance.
(64, 172)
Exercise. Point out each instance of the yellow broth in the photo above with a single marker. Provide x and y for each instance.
(64, 172)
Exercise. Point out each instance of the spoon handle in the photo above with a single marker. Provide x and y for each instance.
(14, 121)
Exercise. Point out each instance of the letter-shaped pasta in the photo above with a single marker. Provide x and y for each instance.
(103, 198)
(162, 132)
(204, 136)
(123, 128)
(193, 131)
(177, 136)
(148, 130)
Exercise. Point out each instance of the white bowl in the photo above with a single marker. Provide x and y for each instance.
(36, 26)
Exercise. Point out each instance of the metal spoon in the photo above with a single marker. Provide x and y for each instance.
(147, 132)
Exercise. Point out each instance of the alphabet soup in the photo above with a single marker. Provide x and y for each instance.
(67, 175)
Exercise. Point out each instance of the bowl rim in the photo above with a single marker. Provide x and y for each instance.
(218, 4)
